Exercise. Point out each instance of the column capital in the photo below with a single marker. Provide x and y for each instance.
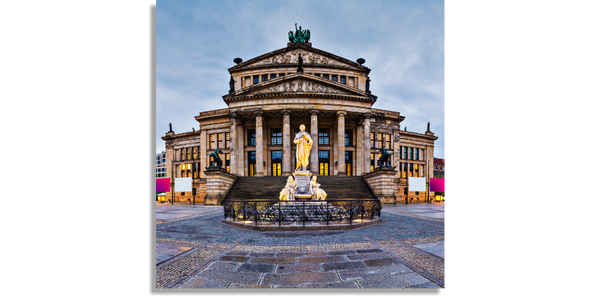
(367, 116)
(233, 117)
(313, 112)
(286, 111)
(258, 113)
(341, 113)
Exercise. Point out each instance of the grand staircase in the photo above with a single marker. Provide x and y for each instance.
(268, 187)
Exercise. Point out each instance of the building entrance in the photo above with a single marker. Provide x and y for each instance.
(276, 157)
(348, 163)
(251, 163)
(323, 162)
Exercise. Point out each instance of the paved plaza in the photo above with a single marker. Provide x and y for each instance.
(194, 250)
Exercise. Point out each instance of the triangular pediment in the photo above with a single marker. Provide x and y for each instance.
(299, 83)
(290, 55)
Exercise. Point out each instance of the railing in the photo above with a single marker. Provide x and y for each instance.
(255, 211)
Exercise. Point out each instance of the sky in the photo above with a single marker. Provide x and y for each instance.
(401, 41)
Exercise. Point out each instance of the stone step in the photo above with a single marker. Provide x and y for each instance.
(269, 187)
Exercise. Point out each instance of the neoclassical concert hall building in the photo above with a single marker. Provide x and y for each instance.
(273, 94)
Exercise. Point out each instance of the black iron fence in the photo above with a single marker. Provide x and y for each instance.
(255, 211)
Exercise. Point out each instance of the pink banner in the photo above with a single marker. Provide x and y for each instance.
(436, 184)
(163, 184)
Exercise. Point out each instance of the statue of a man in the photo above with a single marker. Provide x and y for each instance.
(170, 128)
(303, 143)
(231, 85)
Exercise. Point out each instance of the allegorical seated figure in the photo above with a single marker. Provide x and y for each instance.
(289, 192)
(317, 193)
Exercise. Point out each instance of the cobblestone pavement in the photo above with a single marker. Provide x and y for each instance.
(195, 250)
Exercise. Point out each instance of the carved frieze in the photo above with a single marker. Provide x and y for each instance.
(292, 57)
(299, 85)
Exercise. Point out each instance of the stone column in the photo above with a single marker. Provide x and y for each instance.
(367, 142)
(203, 155)
(340, 144)
(287, 151)
(314, 133)
(260, 170)
(240, 150)
(232, 143)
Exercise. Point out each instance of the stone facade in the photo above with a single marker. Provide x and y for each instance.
(270, 100)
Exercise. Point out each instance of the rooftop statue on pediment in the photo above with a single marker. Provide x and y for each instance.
(300, 36)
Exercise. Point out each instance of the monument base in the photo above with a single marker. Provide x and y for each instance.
(302, 178)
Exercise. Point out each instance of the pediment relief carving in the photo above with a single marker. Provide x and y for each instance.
(292, 57)
(299, 85)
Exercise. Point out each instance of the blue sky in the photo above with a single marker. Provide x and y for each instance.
(401, 41)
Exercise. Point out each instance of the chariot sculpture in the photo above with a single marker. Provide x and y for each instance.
(300, 35)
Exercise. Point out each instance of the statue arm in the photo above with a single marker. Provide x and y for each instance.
(308, 138)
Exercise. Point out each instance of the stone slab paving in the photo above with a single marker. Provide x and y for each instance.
(403, 251)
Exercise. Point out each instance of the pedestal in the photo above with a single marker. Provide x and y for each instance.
(382, 183)
(302, 179)
(218, 184)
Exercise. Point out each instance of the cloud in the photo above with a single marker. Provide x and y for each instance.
(403, 44)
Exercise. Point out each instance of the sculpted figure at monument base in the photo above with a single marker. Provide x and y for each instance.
(288, 193)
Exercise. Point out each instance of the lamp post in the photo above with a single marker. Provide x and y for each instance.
(428, 187)
(406, 172)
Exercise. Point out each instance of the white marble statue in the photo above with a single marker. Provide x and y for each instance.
(289, 192)
(317, 193)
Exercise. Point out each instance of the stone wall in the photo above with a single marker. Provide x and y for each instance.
(218, 184)
(383, 184)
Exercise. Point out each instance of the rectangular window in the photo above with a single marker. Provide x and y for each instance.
(416, 170)
(220, 140)
(334, 77)
(372, 162)
(193, 152)
(282, 74)
(273, 76)
(212, 139)
(343, 79)
(326, 76)
(372, 138)
(276, 136)
(410, 170)
(251, 137)
(187, 151)
(182, 156)
(417, 154)
(411, 153)
(323, 137)
(227, 140)
(265, 77)
(405, 149)
(348, 138)
(227, 162)
(388, 141)
(379, 139)
(255, 79)
(318, 75)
